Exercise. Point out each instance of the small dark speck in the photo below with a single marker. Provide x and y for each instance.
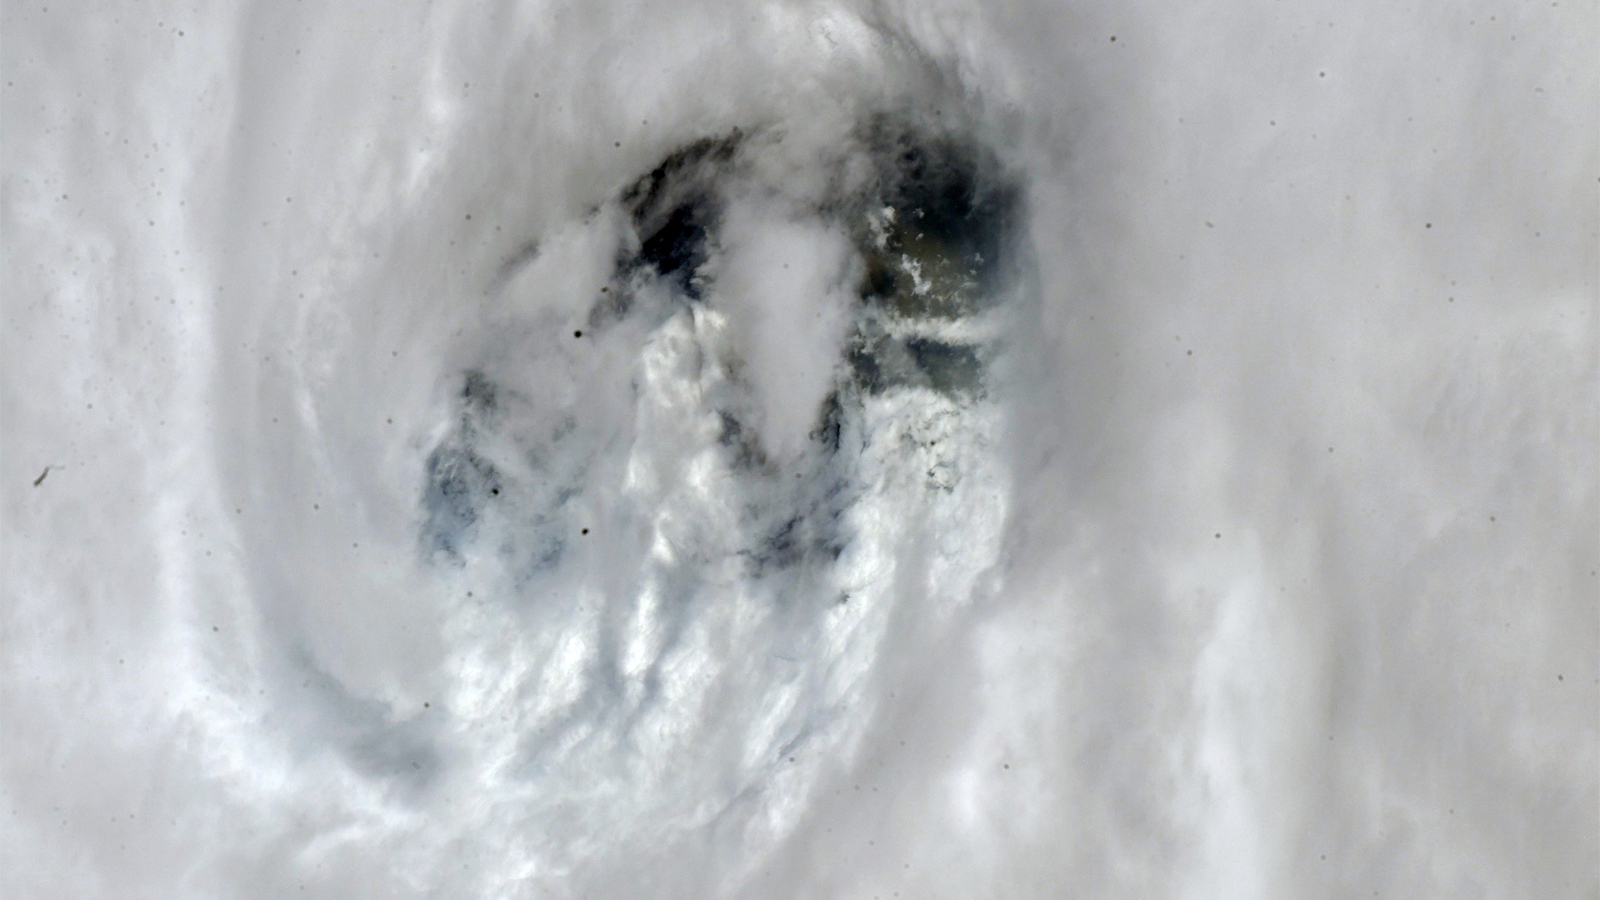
(1219, 535)
(1427, 225)
(1209, 225)
(1113, 38)
(617, 144)
(215, 628)
(1561, 678)
(425, 705)
(1322, 74)
(40, 480)
(586, 531)
(604, 290)
(577, 334)
(1491, 518)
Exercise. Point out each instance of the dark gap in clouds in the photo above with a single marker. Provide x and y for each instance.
(934, 226)
(675, 211)
(953, 203)
(950, 368)
(744, 446)
(931, 226)
(458, 480)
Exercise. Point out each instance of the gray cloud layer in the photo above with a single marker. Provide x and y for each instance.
(1233, 533)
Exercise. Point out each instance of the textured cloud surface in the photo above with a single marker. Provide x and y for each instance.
(800, 450)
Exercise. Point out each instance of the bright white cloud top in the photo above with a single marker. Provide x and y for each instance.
(800, 449)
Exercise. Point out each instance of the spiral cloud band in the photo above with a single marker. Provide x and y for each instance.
(800, 449)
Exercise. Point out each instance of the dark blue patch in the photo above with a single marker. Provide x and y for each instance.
(675, 212)
(830, 430)
(677, 248)
(950, 368)
(952, 191)
(458, 482)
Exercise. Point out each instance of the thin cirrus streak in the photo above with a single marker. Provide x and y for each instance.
(799, 449)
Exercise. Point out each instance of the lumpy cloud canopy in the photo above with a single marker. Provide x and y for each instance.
(770, 450)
